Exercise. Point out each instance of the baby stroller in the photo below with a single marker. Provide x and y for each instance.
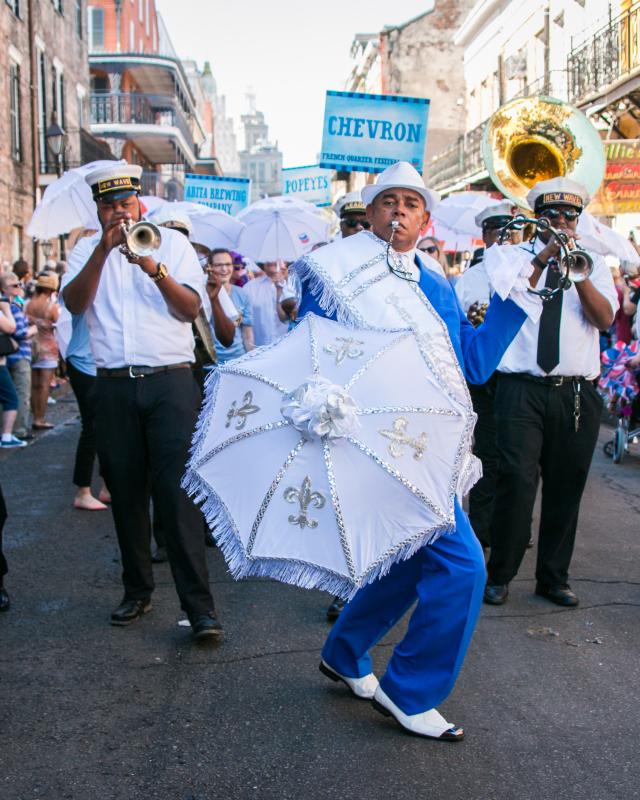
(619, 385)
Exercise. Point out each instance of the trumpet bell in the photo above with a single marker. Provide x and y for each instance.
(532, 139)
(580, 266)
(143, 238)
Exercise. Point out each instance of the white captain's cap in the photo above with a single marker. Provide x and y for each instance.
(564, 191)
(401, 175)
(497, 211)
(350, 203)
(114, 183)
(170, 218)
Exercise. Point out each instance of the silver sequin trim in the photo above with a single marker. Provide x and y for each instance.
(337, 510)
(269, 426)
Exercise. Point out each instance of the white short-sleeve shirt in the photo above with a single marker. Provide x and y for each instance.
(474, 286)
(129, 321)
(579, 339)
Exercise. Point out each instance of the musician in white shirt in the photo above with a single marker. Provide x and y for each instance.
(139, 312)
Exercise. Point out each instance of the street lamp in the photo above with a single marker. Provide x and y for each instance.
(56, 139)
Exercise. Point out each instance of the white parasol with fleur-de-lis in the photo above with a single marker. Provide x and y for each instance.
(325, 458)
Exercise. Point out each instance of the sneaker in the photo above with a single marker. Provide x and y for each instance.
(13, 442)
(51, 401)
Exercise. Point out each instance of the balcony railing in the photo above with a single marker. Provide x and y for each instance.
(610, 54)
(136, 108)
(462, 158)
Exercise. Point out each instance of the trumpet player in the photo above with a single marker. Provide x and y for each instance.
(139, 310)
(474, 291)
(547, 406)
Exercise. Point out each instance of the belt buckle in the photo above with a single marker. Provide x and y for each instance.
(557, 380)
(132, 374)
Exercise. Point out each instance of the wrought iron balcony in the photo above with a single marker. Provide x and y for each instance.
(464, 158)
(136, 108)
(612, 53)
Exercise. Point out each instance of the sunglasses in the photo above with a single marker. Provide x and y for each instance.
(431, 249)
(553, 214)
(354, 223)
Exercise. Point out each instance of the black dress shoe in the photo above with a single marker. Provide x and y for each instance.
(560, 595)
(129, 611)
(205, 627)
(159, 555)
(530, 543)
(335, 609)
(5, 602)
(495, 594)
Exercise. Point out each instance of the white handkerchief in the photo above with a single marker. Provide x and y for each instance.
(509, 269)
(227, 305)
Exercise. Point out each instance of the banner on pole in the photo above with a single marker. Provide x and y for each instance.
(312, 184)
(619, 192)
(226, 194)
(368, 132)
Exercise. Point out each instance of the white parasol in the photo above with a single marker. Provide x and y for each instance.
(327, 457)
(211, 227)
(67, 204)
(458, 212)
(600, 238)
(280, 228)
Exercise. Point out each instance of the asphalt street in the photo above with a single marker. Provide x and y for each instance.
(549, 698)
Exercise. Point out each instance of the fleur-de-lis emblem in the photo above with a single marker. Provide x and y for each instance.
(344, 347)
(400, 440)
(305, 498)
(246, 409)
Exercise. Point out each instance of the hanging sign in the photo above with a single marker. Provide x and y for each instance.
(619, 192)
(226, 194)
(369, 132)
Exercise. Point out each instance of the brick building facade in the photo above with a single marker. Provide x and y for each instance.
(44, 70)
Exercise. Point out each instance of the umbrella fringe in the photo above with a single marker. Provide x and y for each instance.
(206, 412)
(323, 294)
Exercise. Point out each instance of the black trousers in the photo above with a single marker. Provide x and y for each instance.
(143, 433)
(3, 518)
(536, 439)
(484, 447)
(84, 388)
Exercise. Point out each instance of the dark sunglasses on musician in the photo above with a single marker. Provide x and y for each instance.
(552, 214)
(353, 223)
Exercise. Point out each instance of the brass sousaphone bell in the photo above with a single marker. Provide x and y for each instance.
(533, 139)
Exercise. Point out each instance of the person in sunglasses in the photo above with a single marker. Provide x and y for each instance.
(433, 258)
(351, 211)
(547, 406)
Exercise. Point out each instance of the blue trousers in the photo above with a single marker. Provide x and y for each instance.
(447, 580)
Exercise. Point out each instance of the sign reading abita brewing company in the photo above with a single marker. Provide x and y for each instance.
(226, 194)
(619, 192)
(312, 184)
(368, 132)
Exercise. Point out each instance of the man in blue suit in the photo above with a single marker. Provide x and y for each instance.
(445, 579)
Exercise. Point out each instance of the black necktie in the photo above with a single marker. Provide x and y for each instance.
(549, 333)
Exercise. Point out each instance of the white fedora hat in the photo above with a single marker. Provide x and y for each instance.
(400, 175)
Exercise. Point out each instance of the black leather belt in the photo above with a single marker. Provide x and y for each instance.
(139, 371)
(546, 380)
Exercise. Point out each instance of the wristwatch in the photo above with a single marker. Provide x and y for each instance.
(161, 273)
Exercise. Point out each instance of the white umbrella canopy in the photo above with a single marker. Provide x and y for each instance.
(452, 242)
(67, 204)
(458, 211)
(210, 226)
(280, 228)
(350, 454)
(601, 239)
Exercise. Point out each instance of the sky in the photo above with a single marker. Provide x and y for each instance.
(289, 52)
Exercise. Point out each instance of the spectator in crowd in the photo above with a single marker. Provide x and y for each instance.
(22, 269)
(8, 396)
(5, 601)
(436, 261)
(222, 267)
(43, 311)
(240, 275)
(264, 293)
(19, 363)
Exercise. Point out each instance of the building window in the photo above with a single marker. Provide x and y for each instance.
(57, 4)
(14, 5)
(132, 36)
(42, 111)
(16, 242)
(95, 28)
(141, 10)
(14, 111)
(80, 110)
(78, 16)
(57, 87)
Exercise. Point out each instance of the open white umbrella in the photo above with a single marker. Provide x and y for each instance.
(67, 204)
(350, 452)
(601, 239)
(211, 227)
(458, 211)
(280, 228)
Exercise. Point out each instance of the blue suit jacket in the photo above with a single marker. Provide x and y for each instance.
(479, 350)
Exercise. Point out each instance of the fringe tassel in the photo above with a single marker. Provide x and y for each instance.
(324, 294)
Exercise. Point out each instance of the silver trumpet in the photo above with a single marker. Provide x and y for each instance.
(141, 239)
(575, 265)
